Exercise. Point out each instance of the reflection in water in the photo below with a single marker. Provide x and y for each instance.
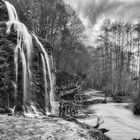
(121, 122)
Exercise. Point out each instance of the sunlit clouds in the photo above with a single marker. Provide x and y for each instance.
(92, 12)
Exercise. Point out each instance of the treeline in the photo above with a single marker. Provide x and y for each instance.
(112, 66)
(58, 24)
(115, 60)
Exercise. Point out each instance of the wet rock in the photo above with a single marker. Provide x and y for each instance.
(3, 12)
(103, 130)
(5, 110)
(99, 135)
(136, 109)
(8, 42)
(18, 108)
(2, 111)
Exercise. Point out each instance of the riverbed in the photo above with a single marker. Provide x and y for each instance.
(121, 122)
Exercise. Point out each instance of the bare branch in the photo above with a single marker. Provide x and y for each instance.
(99, 121)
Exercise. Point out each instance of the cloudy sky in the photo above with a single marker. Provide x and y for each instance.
(92, 13)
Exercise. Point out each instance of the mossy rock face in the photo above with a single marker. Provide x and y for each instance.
(3, 12)
(7, 72)
(8, 43)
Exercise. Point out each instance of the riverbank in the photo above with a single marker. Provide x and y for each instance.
(118, 117)
(45, 128)
(121, 122)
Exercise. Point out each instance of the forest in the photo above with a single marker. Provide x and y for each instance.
(112, 65)
(49, 70)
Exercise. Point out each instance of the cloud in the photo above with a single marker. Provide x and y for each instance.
(92, 12)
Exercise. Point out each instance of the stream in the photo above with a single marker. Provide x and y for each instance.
(121, 122)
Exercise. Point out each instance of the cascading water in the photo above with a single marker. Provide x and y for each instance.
(23, 52)
(24, 43)
(11, 11)
(45, 80)
(45, 59)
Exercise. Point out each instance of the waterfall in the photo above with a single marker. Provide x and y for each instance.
(24, 44)
(45, 80)
(23, 52)
(46, 60)
(24, 76)
(11, 11)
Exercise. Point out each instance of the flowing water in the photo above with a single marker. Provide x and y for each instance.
(46, 64)
(45, 80)
(23, 51)
(121, 122)
(24, 43)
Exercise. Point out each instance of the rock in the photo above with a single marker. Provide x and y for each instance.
(19, 108)
(10, 114)
(136, 109)
(3, 12)
(2, 111)
(97, 134)
(8, 42)
(104, 101)
(5, 110)
(103, 130)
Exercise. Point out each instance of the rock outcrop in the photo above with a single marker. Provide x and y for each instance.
(11, 86)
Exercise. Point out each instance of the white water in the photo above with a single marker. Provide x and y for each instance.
(23, 49)
(46, 59)
(11, 11)
(45, 81)
(121, 122)
(24, 43)
(24, 76)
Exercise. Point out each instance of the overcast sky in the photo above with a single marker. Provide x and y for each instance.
(92, 13)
